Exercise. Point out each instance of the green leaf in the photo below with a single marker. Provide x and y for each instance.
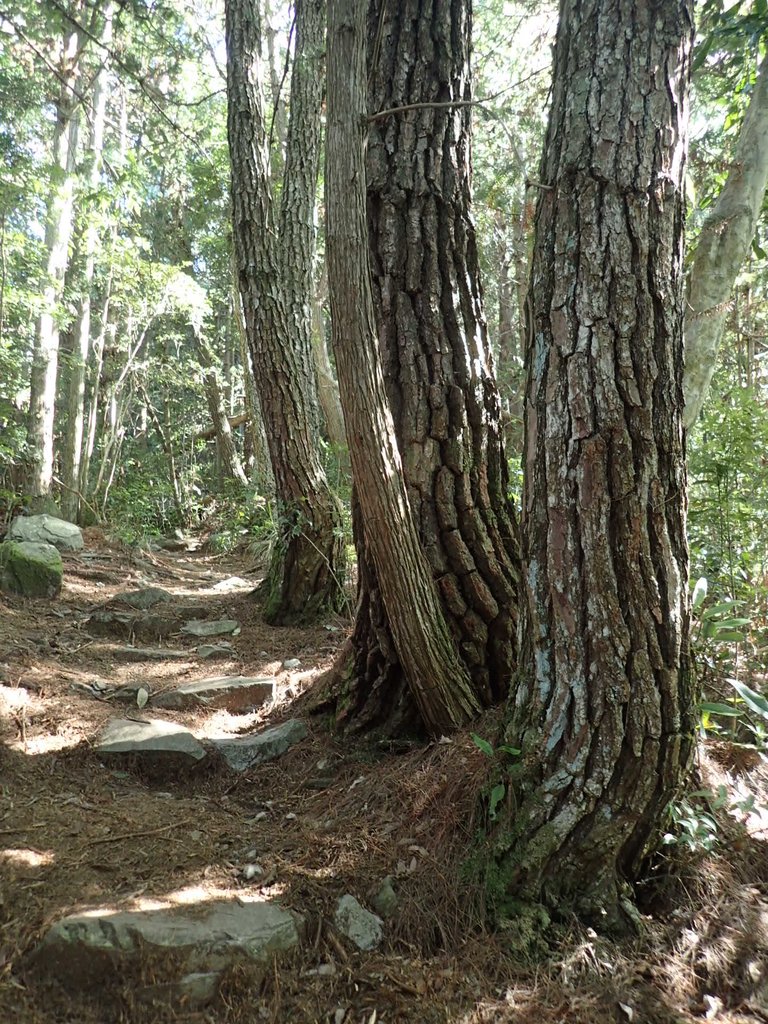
(482, 744)
(497, 795)
(718, 609)
(758, 250)
(727, 710)
(728, 636)
(699, 592)
(755, 701)
(510, 751)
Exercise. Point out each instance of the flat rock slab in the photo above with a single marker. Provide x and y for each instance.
(223, 649)
(244, 752)
(153, 742)
(235, 693)
(30, 568)
(193, 941)
(144, 624)
(148, 654)
(144, 598)
(45, 529)
(220, 627)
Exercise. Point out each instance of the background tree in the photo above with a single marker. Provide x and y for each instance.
(728, 231)
(275, 268)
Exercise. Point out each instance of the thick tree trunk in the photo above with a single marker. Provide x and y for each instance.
(722, 247)
(58, 231)
(436, 357)
(604, 707)
(436, 676)
(275, 281)
(72, 443)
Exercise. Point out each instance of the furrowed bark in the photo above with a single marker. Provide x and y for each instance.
(604, 707)
(436, 677)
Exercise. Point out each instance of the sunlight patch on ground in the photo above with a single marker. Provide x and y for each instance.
(28, 858)
(48, 744)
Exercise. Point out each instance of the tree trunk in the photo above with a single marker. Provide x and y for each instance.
(604, 709)
(327, 385)
(58, 230)
(73, 438)
(275, 281)
(722, 246)
(436, 358)
(228, 459)
(436, 677)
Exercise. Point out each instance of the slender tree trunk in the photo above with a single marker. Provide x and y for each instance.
(229, 461)
(436, 676)
(255, 446)
(436, 362)
(98, 348)
(722, 247)
(327, 385)
(73, 438)
(604, 707)
(275, 281)
(58, 232)
(277, 88)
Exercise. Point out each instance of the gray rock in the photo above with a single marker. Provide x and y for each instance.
(223, 649)
(359, 925)
(46, 529)
(244, 752)
(144, 624)
(152, 741)
(146, 597)
(231, 584)
(220, 627)
(291, 663)
(30, 568)
(385, 901)
(235, 693)
(194, 944)
(148, 654)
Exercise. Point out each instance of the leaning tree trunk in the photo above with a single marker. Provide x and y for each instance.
(436, 676)
(58, 230)
(228, 460)
(274, 264)
(723, 244)
(603, 710)
(436, 358)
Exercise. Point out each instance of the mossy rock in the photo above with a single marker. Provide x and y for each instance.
(30, 568)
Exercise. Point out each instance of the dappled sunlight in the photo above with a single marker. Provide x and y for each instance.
(27, 858)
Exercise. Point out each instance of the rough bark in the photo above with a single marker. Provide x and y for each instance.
(722, 247)
(58, 231)
(436, 676)
(274, 266)
(436, 356)
(604, 707)
(72, 442)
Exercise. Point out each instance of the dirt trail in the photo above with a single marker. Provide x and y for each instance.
(330, 817)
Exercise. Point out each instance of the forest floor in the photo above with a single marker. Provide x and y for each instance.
(76, 834)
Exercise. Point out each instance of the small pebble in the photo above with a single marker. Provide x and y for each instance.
(290, 663)
(251, 871)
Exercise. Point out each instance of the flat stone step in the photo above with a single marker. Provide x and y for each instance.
(234, 693)
(244, 752)
(153, 742)
(90, 949)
